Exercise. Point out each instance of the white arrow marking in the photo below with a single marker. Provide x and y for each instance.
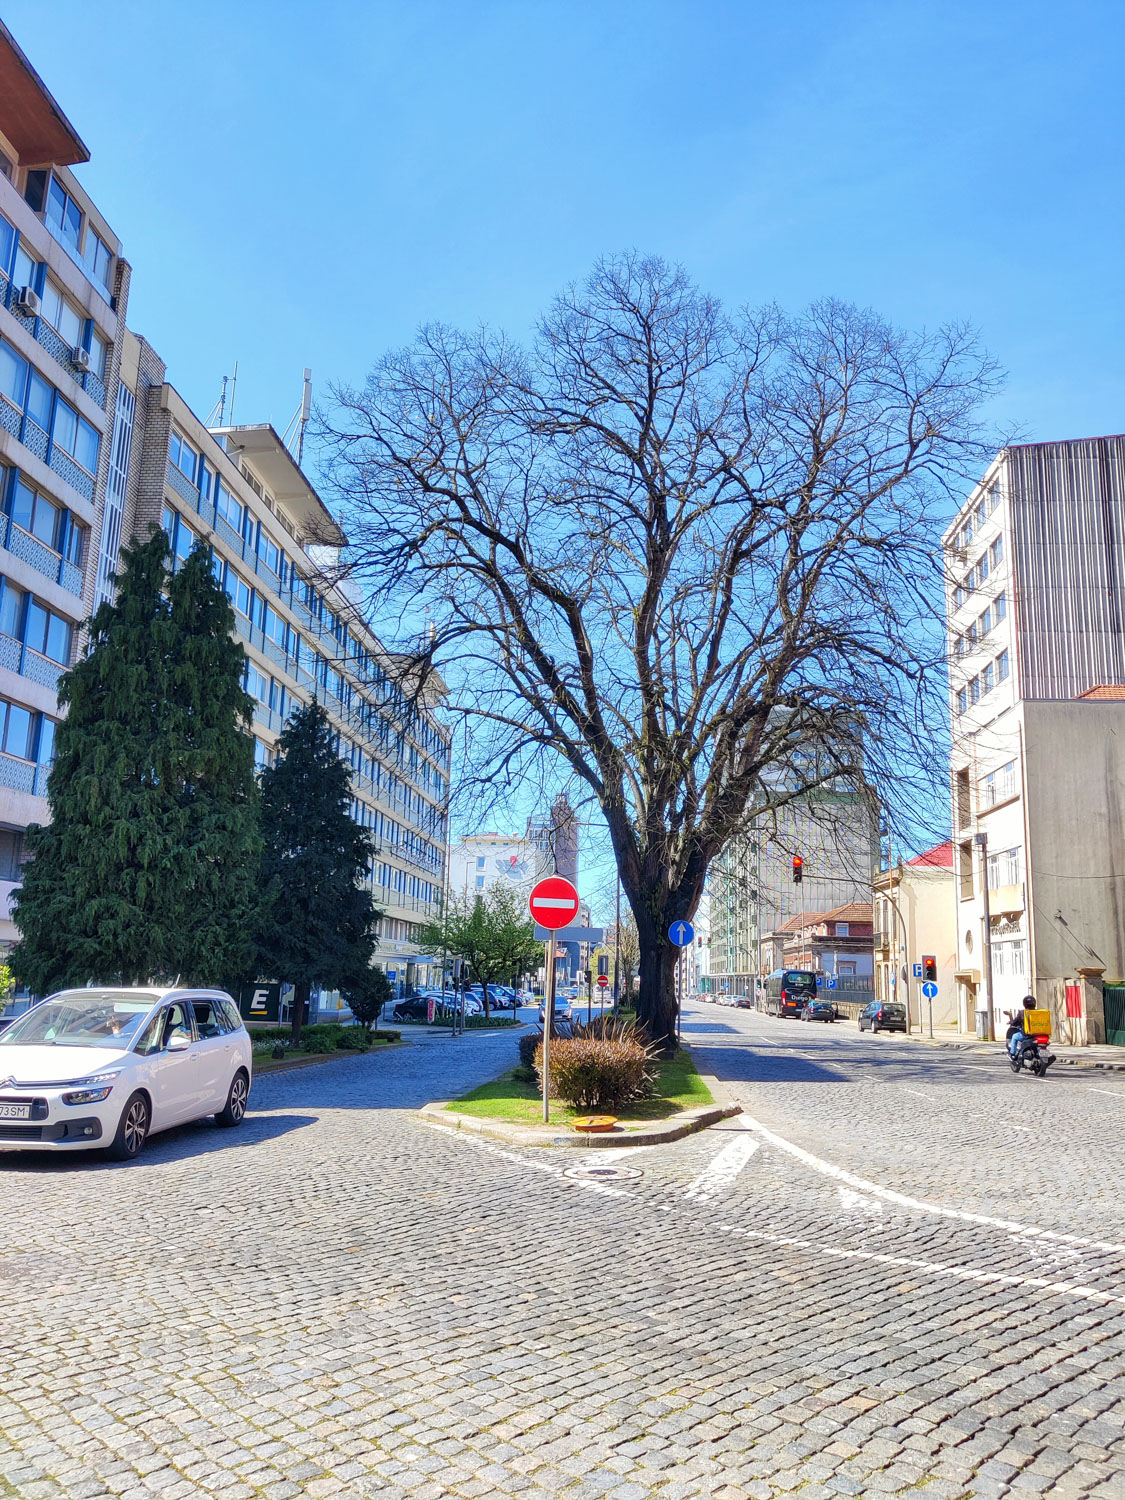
(723, 1169)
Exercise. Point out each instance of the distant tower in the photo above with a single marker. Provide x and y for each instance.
(564, 829)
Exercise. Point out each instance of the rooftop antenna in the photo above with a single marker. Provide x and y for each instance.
(233, 388)
(295, 432)
(215, 415)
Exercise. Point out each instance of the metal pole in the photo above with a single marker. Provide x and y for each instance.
(905, 955)
(679, 989)
(981, 841)
(548, 1017)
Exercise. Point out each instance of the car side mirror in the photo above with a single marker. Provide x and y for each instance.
(179, 1042)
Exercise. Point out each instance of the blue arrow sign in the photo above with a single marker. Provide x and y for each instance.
(681, 933)
(929, 989)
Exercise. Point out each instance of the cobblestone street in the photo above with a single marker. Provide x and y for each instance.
(900, 1271)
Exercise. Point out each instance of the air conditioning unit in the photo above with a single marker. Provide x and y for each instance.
(80, 358)
(28, 302)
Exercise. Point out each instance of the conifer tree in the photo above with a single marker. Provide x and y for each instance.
(147, 866)
(318, 925)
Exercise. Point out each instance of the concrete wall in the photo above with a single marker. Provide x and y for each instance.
(1075, 775)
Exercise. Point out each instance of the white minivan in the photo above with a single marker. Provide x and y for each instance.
(109, 1067)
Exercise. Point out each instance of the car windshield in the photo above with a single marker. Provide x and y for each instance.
(81, 1018)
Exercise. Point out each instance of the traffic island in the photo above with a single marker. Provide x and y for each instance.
(509, 1108)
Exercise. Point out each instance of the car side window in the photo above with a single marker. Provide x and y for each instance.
(152, 1038)
(209, 1021)
(177, 1022)
(230, 1010)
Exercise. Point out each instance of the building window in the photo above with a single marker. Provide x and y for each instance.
(64, 215)
(11, 854)
(480, 862)
(47, 633)
(98, 350)
(986, 680)
(1000, 604)
(1003, 868)
(36, 515)
(1002, 666)
(996, 552)
(63, 318)
(74, 435)
(480, 882)
(984, 624)
(184, 456)
(26, 270)
(965, 862)
(958, 596)
(843, 929)
(7, 245)
(227, 506)
(98, 259)
(257, 684)
(1000, 784)
(974, 690)
(16, 726)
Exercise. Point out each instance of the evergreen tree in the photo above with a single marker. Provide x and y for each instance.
(145, 868)
(318, 925)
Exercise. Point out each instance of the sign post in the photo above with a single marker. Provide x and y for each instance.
(681, 934)
(929, 990)
(553, 904)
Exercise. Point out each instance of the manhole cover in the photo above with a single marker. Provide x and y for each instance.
(601, 1174)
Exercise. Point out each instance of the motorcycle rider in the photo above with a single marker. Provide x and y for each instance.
(1016, 1036)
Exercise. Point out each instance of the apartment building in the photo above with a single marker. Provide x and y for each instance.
(752, 891)
(1035, 564)
(97, 446)
(275, 548)
(479, 861)
(63, 431)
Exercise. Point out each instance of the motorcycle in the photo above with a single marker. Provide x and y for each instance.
(1033, 1055)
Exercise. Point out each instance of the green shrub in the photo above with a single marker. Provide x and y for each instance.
(353, 1039)
(525, 1074)
(597, 1073)
(529, 1046)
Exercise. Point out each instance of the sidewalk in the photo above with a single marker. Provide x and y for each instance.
(1112, 1058)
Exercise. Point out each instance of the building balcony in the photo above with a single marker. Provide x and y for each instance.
(30, 664)
(1007, 898)
(24, 775)
(60, 351)
(43, 559)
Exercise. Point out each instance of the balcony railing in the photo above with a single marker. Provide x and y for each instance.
(43, 559)
(57, 347)
(20, 658)
(24, 775)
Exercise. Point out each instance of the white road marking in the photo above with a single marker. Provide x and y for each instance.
(916, 1094)
(859, 1202)
(722, 1170)
(1113, 1093)
(889, 1195)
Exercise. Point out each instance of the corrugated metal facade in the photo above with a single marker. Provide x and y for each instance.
(1068, 528)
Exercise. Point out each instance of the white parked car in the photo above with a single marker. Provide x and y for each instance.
(108, 1067)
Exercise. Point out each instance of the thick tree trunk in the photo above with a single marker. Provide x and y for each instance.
(656, 1003)
(301, 995)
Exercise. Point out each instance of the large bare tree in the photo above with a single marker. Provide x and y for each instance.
(685, 551)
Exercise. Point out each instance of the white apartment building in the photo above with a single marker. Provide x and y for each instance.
(478, 861)
(914, 909)
(1035, 565)
(63, 294)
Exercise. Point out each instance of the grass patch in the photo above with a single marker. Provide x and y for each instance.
(677, 1086)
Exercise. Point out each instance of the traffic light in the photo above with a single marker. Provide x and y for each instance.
(798, 869)
(589, 979)
(929, 968)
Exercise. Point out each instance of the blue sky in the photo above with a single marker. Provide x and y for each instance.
(306, 184)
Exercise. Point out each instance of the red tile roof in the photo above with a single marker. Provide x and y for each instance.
(1105, 691)
(855, 911)
(940, 854)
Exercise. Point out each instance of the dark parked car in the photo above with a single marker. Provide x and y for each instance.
(819, 1010)
(414, 1009)
(882, 1015)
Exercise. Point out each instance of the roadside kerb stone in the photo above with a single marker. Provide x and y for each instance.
(650, 1133)
(282, 1064)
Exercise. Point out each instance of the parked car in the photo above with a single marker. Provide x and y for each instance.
(414, 1008)
(743, 1002)
(110, 1067)
(882, 1015)
(563, 1011)
(819, 1010)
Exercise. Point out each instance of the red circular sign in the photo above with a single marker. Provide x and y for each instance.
(603, 981)
(554, 902)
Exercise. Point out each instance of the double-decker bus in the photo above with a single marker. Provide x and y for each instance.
(788, 990)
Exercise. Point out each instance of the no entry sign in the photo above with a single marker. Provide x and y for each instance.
(553, 903)
(603, 981)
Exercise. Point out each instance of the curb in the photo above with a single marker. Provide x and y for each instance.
(285, 1064)
(651, 1133)
(989, 1047)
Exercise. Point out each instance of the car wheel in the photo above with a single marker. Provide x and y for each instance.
(132, 1129)
(874, 1029)
(234, 1111)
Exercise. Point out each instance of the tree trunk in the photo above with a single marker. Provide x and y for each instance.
(656, 1003)
(301, 995)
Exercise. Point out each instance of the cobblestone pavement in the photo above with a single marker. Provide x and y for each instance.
(900, 1272)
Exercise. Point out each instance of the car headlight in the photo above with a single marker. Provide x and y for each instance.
(88, 1096)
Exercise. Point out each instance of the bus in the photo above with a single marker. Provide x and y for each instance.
(788, 990)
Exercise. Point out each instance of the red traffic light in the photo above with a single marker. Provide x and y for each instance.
(929, 968)
(798, 869)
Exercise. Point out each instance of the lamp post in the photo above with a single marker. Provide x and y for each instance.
(988, 1030)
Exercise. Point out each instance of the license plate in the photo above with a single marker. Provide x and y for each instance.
(15, 1111)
